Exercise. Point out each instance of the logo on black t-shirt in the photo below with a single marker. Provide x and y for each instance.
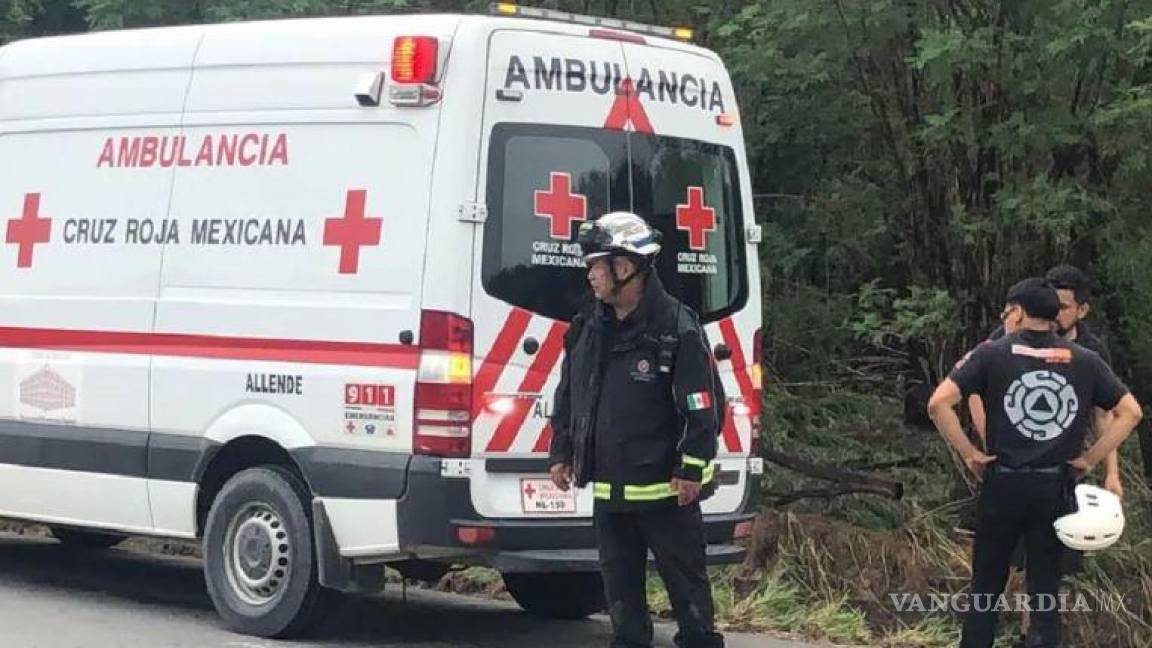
(1041, 404)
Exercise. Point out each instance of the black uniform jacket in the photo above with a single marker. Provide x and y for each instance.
(639, 401)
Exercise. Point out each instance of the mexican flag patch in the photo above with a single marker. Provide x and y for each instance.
(699, 401)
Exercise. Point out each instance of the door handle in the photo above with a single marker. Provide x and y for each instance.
(531, 345)
(722, 352)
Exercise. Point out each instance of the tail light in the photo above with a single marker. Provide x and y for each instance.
(443, 402)
(756, 369)
(414, 61)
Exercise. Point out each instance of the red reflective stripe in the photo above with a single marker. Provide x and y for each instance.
(533, 382)
(502, 349)
(211, 346)
(545, 441)
(728, 431)
(743, 380)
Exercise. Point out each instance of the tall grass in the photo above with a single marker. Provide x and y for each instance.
(862, 548)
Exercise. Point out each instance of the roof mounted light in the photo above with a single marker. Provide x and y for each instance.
(513, 9)
(414, 59)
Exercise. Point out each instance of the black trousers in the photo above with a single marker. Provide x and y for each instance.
(675, 534)
(1012, 507)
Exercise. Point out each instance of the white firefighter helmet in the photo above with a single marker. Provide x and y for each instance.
(1097, 522)
(618, 233)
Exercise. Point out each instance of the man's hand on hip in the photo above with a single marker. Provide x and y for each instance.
(686, 491)
(561, 474)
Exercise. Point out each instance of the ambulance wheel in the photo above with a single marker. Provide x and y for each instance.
(78, 539)
(559, 595)
(259, 561)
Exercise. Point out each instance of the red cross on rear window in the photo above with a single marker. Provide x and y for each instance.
(696, 219)
(560, 206)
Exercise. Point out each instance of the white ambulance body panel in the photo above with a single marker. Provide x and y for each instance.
(214, 257)
(57, 107)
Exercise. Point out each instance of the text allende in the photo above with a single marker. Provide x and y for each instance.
(260, 383)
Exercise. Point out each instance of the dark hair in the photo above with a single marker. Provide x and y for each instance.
(1037, 297)
(1066, 277)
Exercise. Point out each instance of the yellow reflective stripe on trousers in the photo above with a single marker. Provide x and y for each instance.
(646, 492)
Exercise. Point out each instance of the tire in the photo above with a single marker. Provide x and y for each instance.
(259, 558)
(93, 540)
(560, 595)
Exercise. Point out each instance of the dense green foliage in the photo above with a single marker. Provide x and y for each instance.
(911, 158)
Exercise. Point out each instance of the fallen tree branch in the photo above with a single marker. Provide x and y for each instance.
(907, 462)
(856, 482)
(785, 498)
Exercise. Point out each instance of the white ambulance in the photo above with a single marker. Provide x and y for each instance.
(298, 289)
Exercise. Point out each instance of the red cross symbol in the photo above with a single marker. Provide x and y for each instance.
(529, 490)
(560, 205)
(628, 109)
(352, 230)
(28, 230)
(696, 219)
(351, 427)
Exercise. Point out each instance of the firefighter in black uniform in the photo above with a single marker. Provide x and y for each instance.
(636, 416)
(1040, 391)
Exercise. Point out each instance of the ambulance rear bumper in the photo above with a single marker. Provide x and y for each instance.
(554, 560)
(434, 509)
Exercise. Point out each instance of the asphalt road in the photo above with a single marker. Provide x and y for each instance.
(51, 597)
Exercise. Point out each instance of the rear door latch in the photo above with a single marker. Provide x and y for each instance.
(472, 212)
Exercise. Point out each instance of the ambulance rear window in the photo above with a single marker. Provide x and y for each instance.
(544, 180)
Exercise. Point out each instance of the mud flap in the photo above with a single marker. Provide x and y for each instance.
(336, 572)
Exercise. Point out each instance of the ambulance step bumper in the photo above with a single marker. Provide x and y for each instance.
(554, 560)
(434, 509)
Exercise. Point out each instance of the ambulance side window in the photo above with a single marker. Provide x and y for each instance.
(543, 182)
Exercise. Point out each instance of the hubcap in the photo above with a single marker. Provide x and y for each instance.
(257, 554)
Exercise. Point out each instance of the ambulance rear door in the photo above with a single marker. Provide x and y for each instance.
(546, 165)
(690, 180)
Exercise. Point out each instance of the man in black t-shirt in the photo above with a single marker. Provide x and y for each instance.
(1039, 391)
(1074, 288)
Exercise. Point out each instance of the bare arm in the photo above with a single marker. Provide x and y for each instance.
(942, 410)
(1115, 429)
(979, 417)
(1112, 479)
